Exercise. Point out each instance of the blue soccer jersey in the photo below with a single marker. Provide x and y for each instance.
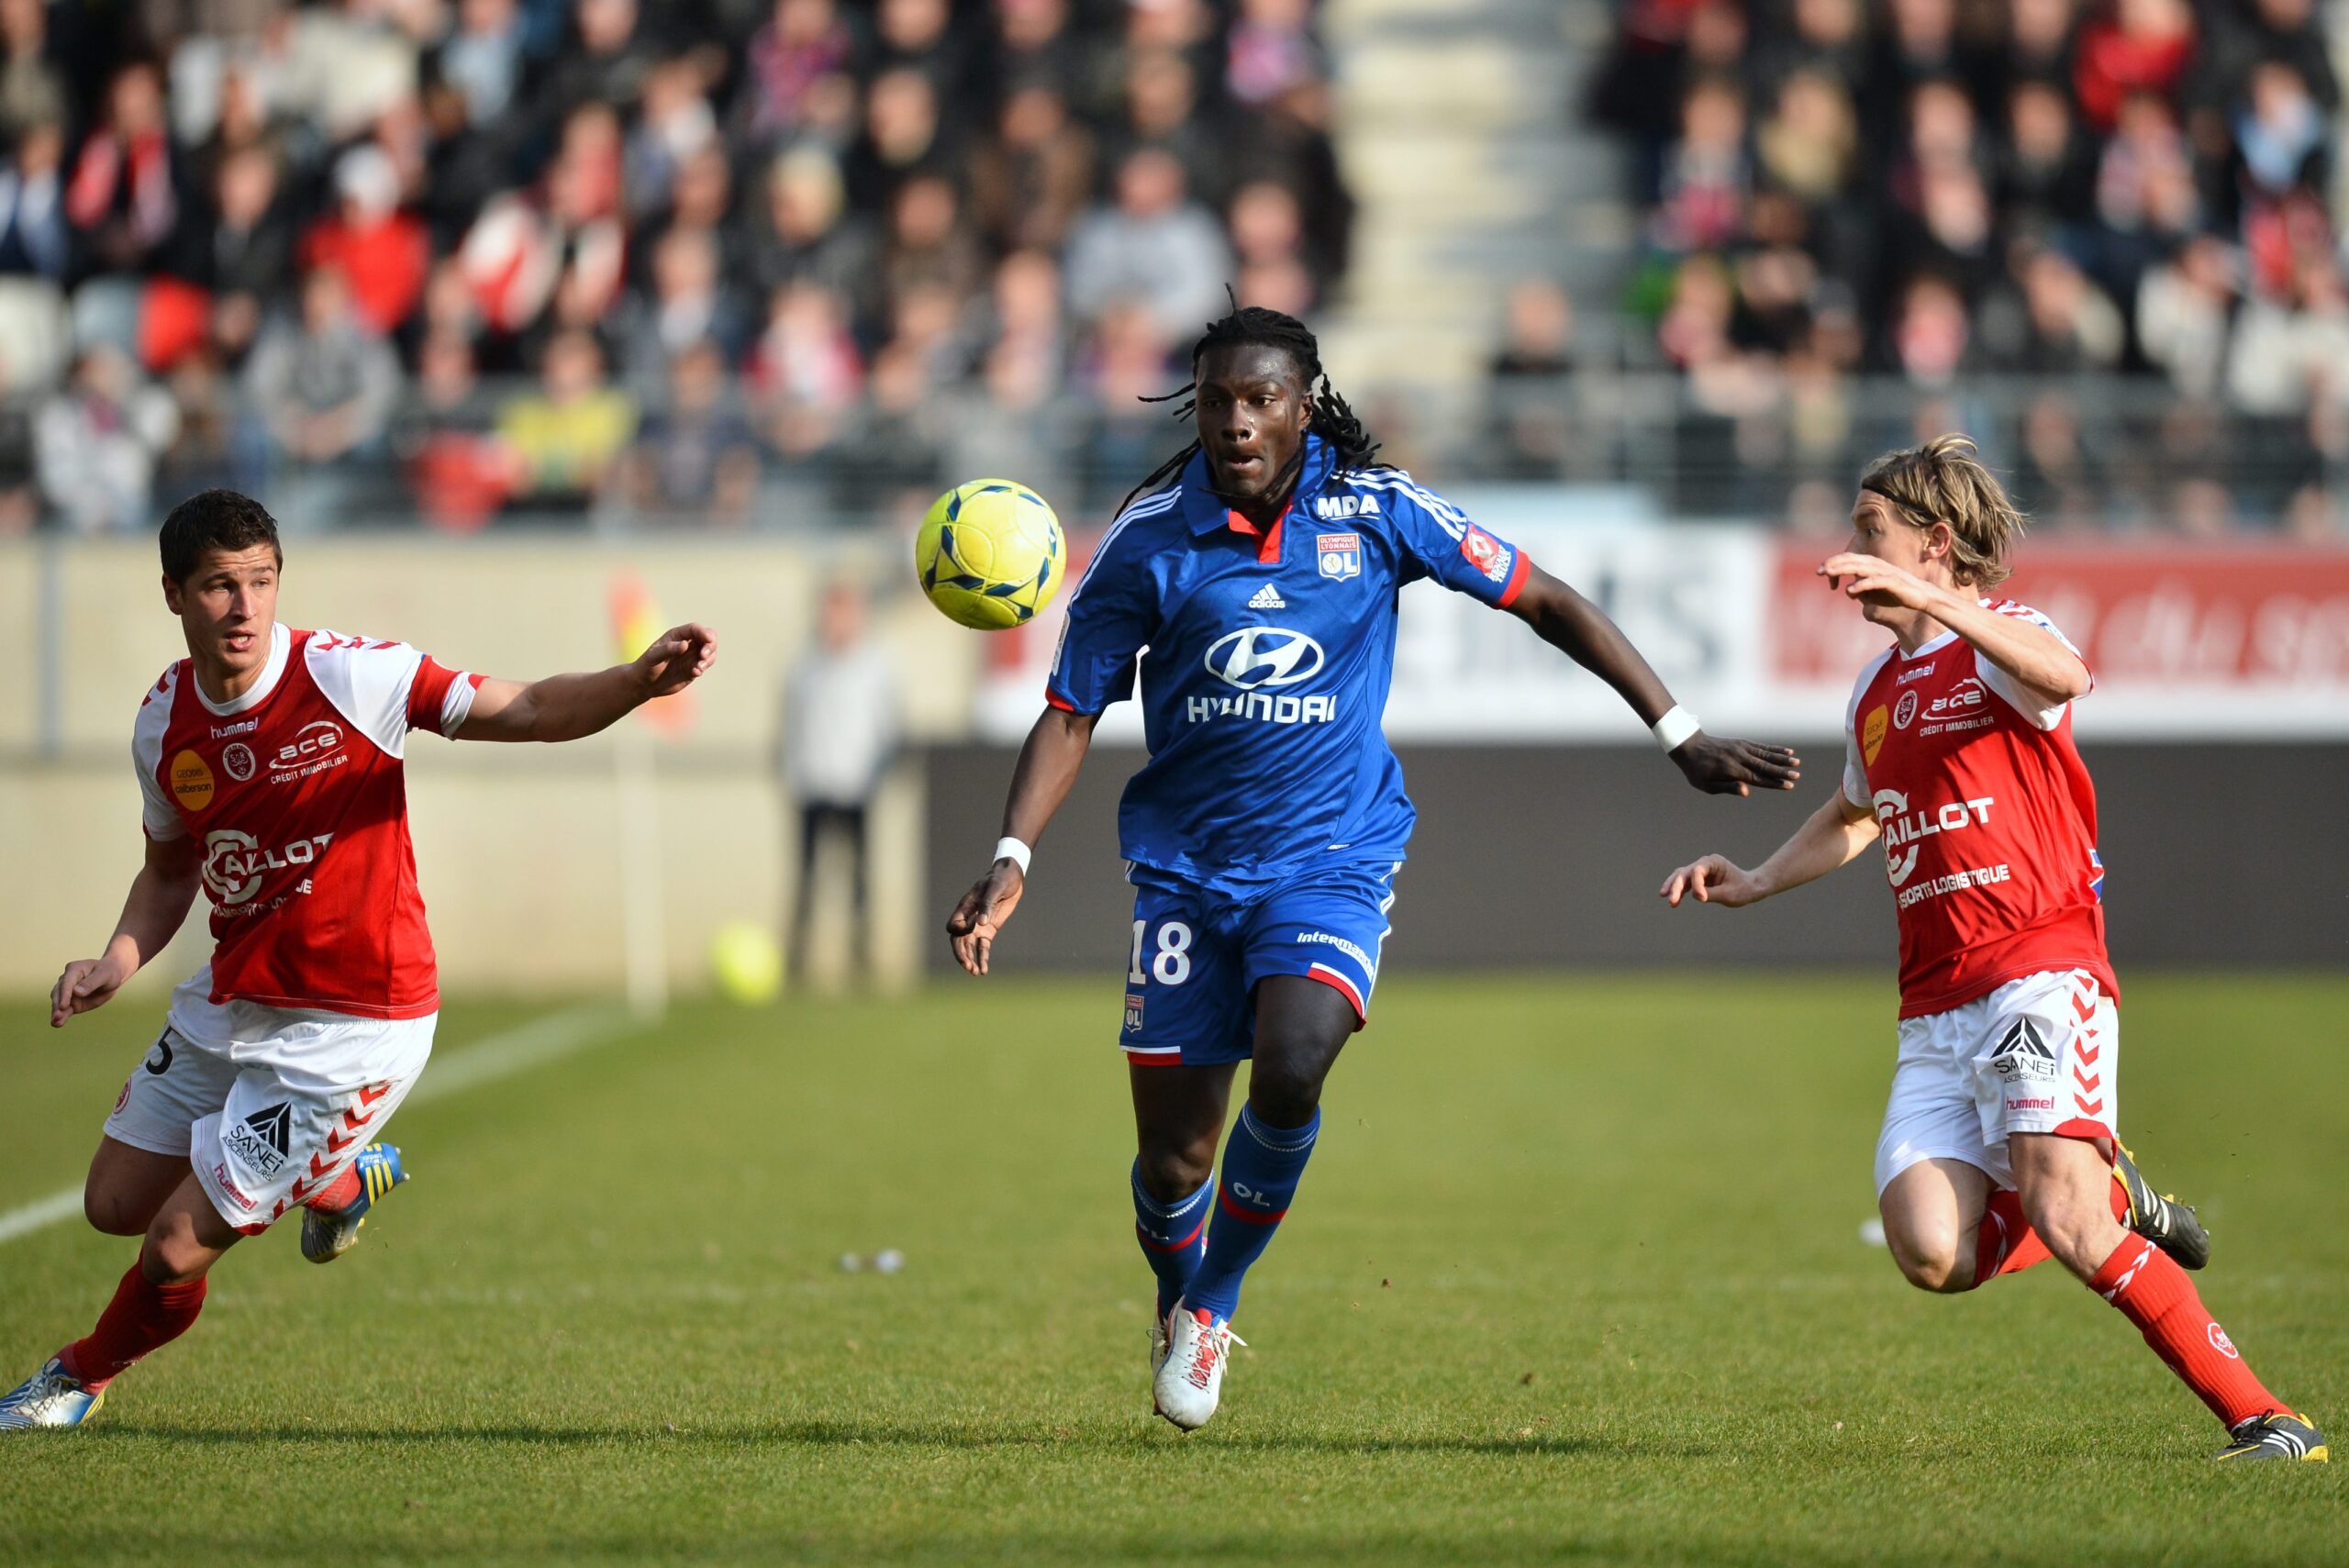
(1264, 660)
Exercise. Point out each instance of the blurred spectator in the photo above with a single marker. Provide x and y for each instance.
(806, 234)
(696, 458)
(676, 123)
(840, 732)
(803, 49)
(33, 235)
(1705, 176)
(324, 387)
(96, 441)
(2185, 308)
(2136, 47)
(1162, 112)
(245, 256)
(33, 85)
(123, 200)
(901, 137)
(565, 438)
(383, 253)
(1030, 180)
(1529, 418)
(690, 303)
(482, 59)
(1271, 50)
(927, 246)
(1154, 246)
(805, 368)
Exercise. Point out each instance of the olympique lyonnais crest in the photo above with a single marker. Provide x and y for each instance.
(1340, 555)
(1133, 1014)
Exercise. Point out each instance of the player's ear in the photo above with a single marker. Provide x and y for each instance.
(172, 596)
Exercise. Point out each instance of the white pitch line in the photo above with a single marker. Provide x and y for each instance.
(517, 1049)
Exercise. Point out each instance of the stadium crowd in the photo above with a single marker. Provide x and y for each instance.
(2115, 214)
(464, 260)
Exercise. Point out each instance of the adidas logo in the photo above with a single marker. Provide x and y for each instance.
(1268, 598)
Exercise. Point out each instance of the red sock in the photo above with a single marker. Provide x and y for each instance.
(2006, 1244)
(2154, 1293)
(338, 1193)
(143, 1317)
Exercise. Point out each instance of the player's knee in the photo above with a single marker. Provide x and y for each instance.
(1927, 1261)
(2078, 1227)
(173, 1254)
(1282, 1093)
(111, 1213)
(1172, 1173)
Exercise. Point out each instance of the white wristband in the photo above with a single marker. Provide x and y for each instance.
(1015, 851)
(1675, 728)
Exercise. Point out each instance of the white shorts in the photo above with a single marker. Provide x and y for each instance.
(2039, 1054)
(269, 1106)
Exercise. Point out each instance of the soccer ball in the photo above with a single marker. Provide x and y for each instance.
(989, 554)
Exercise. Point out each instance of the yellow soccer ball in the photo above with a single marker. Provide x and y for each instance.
(990, 554)
(747, 962)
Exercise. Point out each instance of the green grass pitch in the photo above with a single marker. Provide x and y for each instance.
(1576, 1276)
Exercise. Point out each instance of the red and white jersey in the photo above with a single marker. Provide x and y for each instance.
(1988, 819)
(296, 789)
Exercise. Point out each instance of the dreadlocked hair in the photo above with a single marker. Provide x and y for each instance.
(1333, 418)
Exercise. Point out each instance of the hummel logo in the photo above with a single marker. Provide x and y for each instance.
(1268, 598)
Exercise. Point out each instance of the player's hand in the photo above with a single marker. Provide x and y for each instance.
(1874, 582)
(1711, 880)
(678, 657)
(86, 982)
(1735, 767)
(981, 913)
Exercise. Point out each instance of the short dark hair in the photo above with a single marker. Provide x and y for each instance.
(214, 519)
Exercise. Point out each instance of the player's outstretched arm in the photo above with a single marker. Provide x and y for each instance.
(1048, 767)
(2049, 673)
(159, 897)
(1827, 839)
(1580, 629)
(565, 707)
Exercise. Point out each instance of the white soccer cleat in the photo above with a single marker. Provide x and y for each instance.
(49, 1397)
(1189, 1380)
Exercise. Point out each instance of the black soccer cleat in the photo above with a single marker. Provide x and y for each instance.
(2279, 1434)
(2166, 1222)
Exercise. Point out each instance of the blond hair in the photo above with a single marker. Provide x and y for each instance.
(1944, 481)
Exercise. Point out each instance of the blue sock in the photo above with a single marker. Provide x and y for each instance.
(1174, 1236)
(1262, 1166)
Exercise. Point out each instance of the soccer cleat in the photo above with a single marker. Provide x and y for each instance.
(327, 1236)
(49, 1397)
(1159, 1330)
(1190, 1380)
(2279, 1434)
(2161, 1219)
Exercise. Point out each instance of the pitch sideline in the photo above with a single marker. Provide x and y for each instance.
(502, 1056)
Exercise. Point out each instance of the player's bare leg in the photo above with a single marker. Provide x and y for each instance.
(127, 1186)
(1932, 1217)
(156, 1302)
(1301, 1025)
(2067, 1189)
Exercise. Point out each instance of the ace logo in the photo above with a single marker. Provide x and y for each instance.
(1872, 732)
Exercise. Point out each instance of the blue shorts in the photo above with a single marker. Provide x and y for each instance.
(1197, 956)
